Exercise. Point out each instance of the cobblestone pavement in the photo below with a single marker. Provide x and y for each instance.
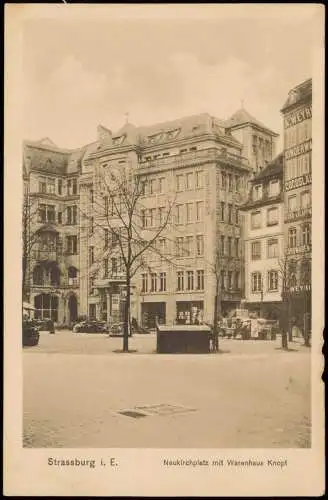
(251, 394)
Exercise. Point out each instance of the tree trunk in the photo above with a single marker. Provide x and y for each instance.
(286, 326)
(127, 313)
(290, 326)
(215, 341)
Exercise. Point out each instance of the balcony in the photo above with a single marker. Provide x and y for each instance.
(112, 279)
(300, 213)
(51, 255)
(194, 158)
(299, 250)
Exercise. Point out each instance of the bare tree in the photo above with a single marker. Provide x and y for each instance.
(29, 237)
(286, 276)
(119, 207)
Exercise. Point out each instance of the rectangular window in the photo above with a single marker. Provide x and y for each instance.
(305, 199)
(222, 210)
(60, 218)
(91, 226)
(256, 282)
(273, 280)
(105, 265)
(179, 214)
(200, 245)
(161, 218)
(292, 203)
(256, 220)
(189, 212)
(199, 211)
(115, 237)
(229, 213)
(236, 216)
(230, 183)
(237, 277)
(237, 183)
(222, 279)
(222, 249)
(153, 282)
(257, 192)
(162, 246)
(179, 246)
(256, 250)
(51, 186)
(189, 183)
(161, 184)
(72, 215)
(292, 237)
(188, 246)
(143, 218)
(114, 265)
(151, 186)
(179, 179)
(91, 196)
(60, 187)
(91, 255)
(106, 206)
(144, 283)
(106, 238)
(272, 216)
(180, 281)
(152, 217)
(42, 186)
(162, 282)
(200, 279)
(237, 247)
(223, 180)
(229, 246)
(272, 248)
(74, 186)
(190, 280)
(71, 245)
(199, 179)
(229, 280)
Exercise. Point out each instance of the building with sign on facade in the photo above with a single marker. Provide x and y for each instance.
(264, 241)
(297, 116)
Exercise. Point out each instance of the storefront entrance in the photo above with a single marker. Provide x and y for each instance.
(190, 313)
(72, 308)
(152, 313)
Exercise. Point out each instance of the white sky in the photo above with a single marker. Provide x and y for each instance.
(80, 73)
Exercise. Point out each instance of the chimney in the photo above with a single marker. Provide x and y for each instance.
(104, 135)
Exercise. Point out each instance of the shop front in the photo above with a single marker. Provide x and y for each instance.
(153, 313)
(189, 312)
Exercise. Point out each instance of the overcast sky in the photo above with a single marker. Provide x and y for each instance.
(78, 74)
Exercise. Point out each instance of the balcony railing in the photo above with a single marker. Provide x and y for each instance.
(46, 254)
(191, 157)
(298, 214)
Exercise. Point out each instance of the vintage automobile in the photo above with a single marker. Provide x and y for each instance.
(30, 332)
(116, 330)
(90, 326)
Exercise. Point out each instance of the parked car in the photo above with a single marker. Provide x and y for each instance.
(30, 333)
(116, 330)
(90, 326)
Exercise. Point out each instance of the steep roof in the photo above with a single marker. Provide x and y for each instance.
(241, 117)
(274, 168)
(299, 94)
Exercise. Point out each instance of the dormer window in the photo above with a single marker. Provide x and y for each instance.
(257, 192)
(274, 188)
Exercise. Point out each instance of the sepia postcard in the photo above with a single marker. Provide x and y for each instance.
(164, 250)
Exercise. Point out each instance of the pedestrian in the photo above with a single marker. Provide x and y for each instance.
(51, 326)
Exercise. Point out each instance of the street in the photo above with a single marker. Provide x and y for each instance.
(250, 394)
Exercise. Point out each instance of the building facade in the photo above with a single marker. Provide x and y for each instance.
(194, 165)
(51, 230)
(264, 241)
(297, 117)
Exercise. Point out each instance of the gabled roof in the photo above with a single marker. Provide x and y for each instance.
(299, 94)
(274, 168)
(242, 117)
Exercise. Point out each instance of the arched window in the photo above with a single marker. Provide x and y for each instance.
(292, 237)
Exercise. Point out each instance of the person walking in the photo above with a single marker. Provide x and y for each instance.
(51, 326)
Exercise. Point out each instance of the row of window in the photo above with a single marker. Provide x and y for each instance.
(228, 213)
(303, 198)
(272, 217)
(301, 235)
(272, 249)
(47, 213)
(185, 246)
(298, 133)
(190, 180)
(156, 282)
(48, 185)
(296, 167)
(273, 190)
(43, 276)
(272, 281)
(264, 145)
(229, 246)
(112, 266)
(189, 212)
